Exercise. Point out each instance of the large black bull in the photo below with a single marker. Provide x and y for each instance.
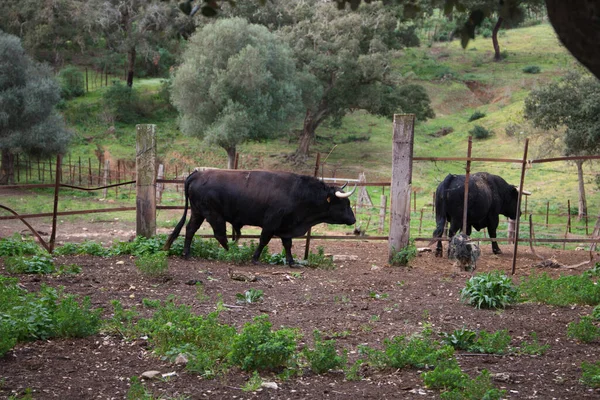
(283, 204)
(489, 196)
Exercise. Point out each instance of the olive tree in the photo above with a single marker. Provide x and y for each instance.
(237, 82)
(572, 106)
(29, 93)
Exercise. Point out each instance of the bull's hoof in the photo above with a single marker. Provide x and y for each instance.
(498, 251)
(439, 253)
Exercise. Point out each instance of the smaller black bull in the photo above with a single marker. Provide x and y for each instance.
(283, 204)
(489, 196)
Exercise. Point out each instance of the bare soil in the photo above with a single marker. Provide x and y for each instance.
(335, 302)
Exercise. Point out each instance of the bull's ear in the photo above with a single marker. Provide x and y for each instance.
(329, 198)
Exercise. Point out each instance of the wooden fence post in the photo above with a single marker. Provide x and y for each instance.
(519, 197)
(401, 187)
(105, 180)
(145, 164)
(160, 186)
(382, 210)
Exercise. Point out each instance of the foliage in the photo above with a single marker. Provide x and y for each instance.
(137, 390)
(259, 348)
(479, 132)
(562, 291)
(585, 331)
(446, 375)
(492, 343)
(122, 103)
(29, 265)
(476, 389)
(219, 99)
(320, 260)
(28, 94)
(532, 69)
(405, 255)
(417, 351)
(476, 115)
(250, 296)
(16, 246)
(596, 313)
(254, 383)
(121, 322)
(534, 347)
(460, 339)
(48, 313)
(591, 374)
(323, 357)
(140, 246)
(489, 290)
(72, 83)
(155, 264)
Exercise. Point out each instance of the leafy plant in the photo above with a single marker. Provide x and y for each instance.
(155, 264)
(323, 357)
(378, 296)
(479, 132)
(492, 343)
(352, 373)
(404, 255)
(137, 391)
(16, 246)
(70, 269)
(476, 115)
(532, 69)
(254, 383)
(489, 290)
(562, 291)
(460, 339)
(446, 375)
(585, 331)
(533, 347)
(319, 260)
(250, 296)
(474, 389)
(596, 313)
(259, 348)
(591, 374)
(29, 265)
(149, 303)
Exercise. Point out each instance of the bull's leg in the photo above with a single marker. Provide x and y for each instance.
(219, 230)
(439, 250)
(190, 230)
(287, 245)
(265, 238)
(495, 247)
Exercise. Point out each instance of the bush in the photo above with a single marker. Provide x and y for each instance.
(479, 132)
(259, 348)
(476, 115)
(532, 69)
(492, 343)
(404, 256)
(489, 290)
(29, 265)
(562, 291)
(585, 331)
(72, 83)
(15, 246)
(324, 357)
(320, 260)
(122, 103)
(155, 264)
(447, 375)
(591, 374)
(460, 339)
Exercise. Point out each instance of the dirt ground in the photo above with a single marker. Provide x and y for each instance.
(99, 367)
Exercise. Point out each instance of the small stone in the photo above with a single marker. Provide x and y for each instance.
(344, 257)
(269, 385)
(501, 377)
(151, 375)
(181, 359)
(120, 262)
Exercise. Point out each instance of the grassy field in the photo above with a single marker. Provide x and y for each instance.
(459, 82)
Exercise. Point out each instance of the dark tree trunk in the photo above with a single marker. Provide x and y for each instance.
(230, 157)
(495, 39)
(130, 66)
(307, 136)
(7, 167)
(582, 201)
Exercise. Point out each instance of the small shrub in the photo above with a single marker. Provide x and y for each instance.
(591, 374)
(562, 291)
(15, 246)
(324, 357)
(122, 102)
(533, 348)
(585, 331)
(76, 320)
(122, 321)
(149, 303)
(29, 265)
(153, 264)
(72, 83)
(489, 290)
(404, 256)
(259, 348)
(479, 132)
(479, 388)
(460, 339)
(70, 269)
(447, 375)
(492, 343)
(476, 115)
(486, 33)
(320, 260)
(253, 384)
(352, 373)
(249, 296)
(596, 313)
(532, 69)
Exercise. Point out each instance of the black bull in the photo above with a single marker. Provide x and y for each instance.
(283, 204)
(489, 196)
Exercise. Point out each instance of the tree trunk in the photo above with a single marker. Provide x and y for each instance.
(230, 157)
(130, 66)
(307, 136)
(7, 164)
(582, 201)
(495, 39)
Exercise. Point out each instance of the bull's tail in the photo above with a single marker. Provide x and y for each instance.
(181, 222)
(440, 206)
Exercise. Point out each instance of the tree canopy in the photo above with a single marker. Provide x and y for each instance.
(29, 93)
(237, 82)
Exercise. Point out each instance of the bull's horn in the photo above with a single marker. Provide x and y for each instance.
(343, 195)
(525, 192)
(345, 184)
